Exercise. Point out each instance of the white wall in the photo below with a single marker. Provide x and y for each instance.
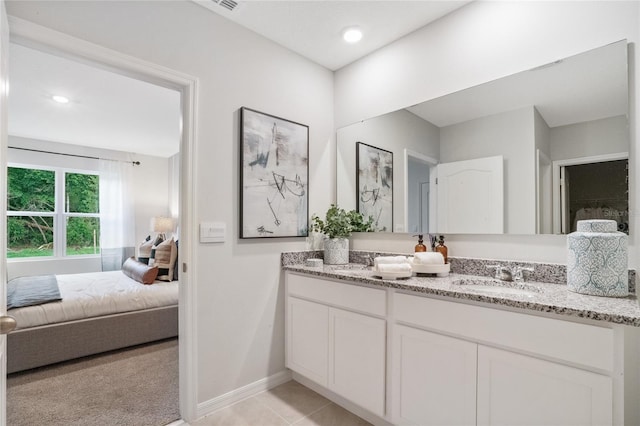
(150, 193)
(480, 42)
(174, 185)
(510, 134)
(393, 132)
(542, 134)
(240, 308)
(597, 137)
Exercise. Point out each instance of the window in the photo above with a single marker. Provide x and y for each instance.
(52, 212)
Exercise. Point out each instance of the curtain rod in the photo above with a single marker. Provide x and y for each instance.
(135, 163)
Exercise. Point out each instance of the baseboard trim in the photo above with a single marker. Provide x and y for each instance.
(244, 392)
(344, 403)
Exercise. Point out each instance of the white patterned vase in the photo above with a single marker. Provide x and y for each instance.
(597, 259)
(336, 251)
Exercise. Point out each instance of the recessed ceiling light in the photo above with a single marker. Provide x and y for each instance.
(60, 99)
(352, 35)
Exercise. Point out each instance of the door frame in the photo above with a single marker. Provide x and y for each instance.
(4, 102)
(558, 199)
(45, 39)
(544, 199)
(431, 163)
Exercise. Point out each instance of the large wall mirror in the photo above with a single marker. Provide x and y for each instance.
(531, 153)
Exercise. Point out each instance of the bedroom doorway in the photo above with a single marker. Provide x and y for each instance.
(28, 35)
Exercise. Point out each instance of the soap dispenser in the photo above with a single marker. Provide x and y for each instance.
(420, 247)
(442, 249)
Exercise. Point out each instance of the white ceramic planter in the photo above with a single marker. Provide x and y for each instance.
(597, 259)
(336, 251)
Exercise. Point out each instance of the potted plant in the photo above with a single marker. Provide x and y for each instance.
(337, 227)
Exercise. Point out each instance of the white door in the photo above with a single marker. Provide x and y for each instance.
(471, 196)
(517, 389)
(6, 323)
(357, 347)
(434, 379)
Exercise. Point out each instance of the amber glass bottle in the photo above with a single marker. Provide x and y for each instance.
(420, 246)
(442, 249)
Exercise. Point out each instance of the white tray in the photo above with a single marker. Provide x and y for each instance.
(392, 275)
(442, 270)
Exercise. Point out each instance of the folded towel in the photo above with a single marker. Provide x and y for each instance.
(428, 258)
(390, 259)
(394, 267)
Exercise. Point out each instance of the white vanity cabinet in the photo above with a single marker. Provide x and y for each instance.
(507, 387)
(411, 359)
(336, 336)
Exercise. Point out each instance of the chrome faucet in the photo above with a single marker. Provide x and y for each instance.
(502, 273)
(516, 273)
(368, 260)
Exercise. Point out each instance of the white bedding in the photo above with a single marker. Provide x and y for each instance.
(95, 294)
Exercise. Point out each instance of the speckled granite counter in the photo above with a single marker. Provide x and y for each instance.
(532, 296)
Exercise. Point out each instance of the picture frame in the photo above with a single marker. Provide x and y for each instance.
(274, 176)
(374, 185)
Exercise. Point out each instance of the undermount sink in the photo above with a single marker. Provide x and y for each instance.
(498, 287)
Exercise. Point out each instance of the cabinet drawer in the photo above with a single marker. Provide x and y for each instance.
(368, 300)
(583, 344)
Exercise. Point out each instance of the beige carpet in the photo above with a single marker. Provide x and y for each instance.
(132, 387)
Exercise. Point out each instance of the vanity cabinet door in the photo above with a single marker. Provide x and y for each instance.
(517, 389)
(434, 378)
(357, 349)
(308, 339)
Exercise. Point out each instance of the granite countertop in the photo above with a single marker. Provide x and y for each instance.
(533, 296)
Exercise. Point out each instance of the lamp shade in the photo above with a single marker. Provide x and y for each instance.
(161, 224)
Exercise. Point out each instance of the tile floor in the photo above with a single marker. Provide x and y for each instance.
(287, 404)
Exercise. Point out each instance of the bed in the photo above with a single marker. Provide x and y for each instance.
(99, 312)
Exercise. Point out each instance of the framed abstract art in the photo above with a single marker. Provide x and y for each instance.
(274, 176)
(374, 185)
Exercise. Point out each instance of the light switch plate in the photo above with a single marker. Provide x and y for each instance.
(212, 232)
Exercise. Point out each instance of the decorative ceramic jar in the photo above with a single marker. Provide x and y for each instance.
(597, 259)
(336, 251)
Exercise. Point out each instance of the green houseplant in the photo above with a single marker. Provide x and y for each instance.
(337, 226)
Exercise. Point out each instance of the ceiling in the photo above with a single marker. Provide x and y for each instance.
(314, 28)
(105, 109)
(109, 110)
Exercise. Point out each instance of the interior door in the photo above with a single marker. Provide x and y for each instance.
(471, 196)
(6, 323)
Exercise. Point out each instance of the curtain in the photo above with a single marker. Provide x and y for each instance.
(117, 239)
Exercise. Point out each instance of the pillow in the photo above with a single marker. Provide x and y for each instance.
(138, 271)
(177, 265)
(144, 251)
(164, 257)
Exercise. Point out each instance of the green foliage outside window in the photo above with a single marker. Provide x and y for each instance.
(81, 193)
(83, 235)
(29, 236)
(33, 190)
